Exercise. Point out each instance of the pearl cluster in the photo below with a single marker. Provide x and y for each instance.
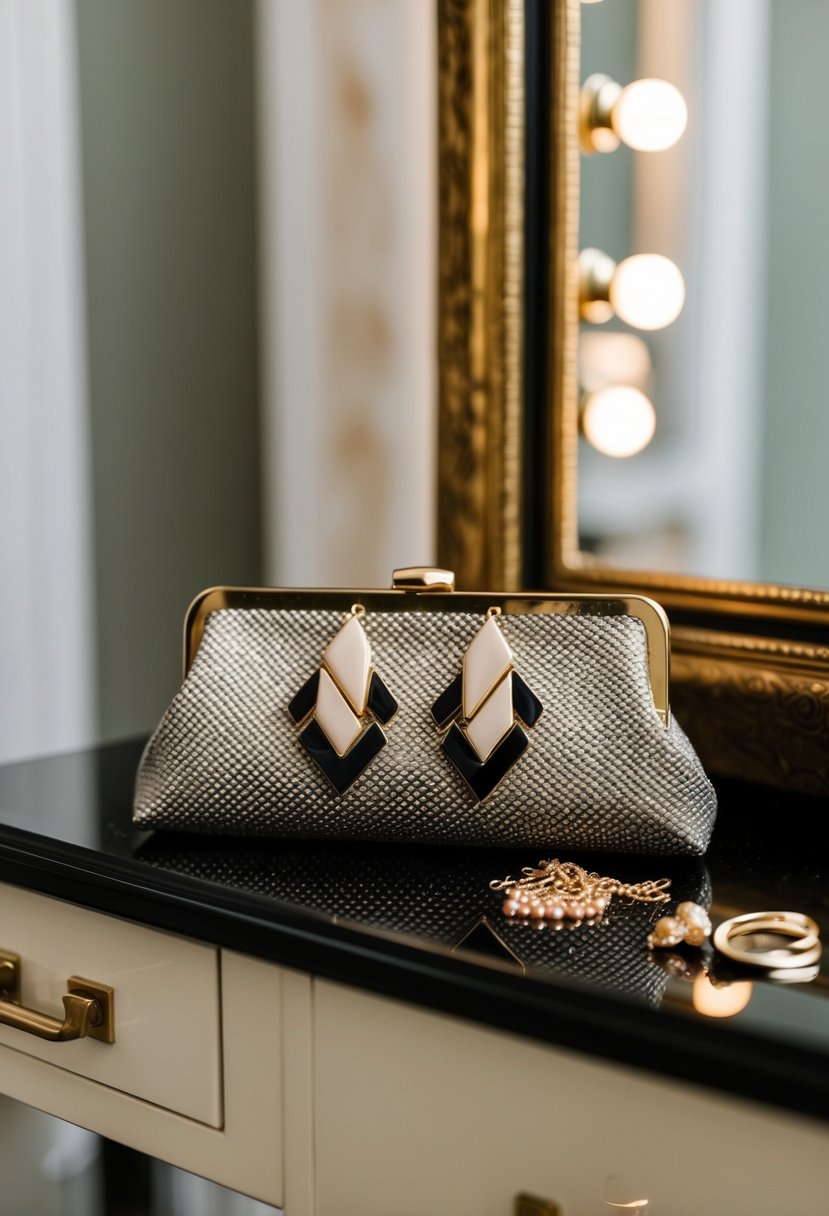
(526, 904)
(556, 893)
(689, 924)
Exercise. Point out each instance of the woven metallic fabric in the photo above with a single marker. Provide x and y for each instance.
(601, 770)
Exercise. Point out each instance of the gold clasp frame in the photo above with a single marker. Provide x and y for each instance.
(428, 589)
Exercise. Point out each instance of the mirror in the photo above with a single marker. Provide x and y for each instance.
(716, 517)
(750, 664)
(728, 467)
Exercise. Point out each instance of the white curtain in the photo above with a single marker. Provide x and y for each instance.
(47, 677)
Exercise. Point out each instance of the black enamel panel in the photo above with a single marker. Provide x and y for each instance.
(483, 778)
(524, 701)
(448, 704)
(380, 701)
(305, 700)
(342, 771)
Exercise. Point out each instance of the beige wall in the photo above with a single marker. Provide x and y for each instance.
(348, 203)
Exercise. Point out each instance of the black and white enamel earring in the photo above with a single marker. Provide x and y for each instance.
(342, 707)
(484, 711)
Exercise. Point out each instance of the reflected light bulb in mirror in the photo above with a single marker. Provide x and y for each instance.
(647, 291)
(720, 1000)
(613, 358)
(618, 421)
(650, 115)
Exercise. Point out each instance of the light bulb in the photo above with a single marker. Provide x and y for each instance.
(650, 115)
(619, 420)
(647, 291)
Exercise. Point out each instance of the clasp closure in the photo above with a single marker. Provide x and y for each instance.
(422, 579)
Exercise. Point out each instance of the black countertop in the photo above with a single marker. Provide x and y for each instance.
(421, 924)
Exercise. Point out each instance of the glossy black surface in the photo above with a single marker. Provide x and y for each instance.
(423, 924)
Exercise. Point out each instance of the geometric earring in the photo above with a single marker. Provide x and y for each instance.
(485, 708)
(339, 707)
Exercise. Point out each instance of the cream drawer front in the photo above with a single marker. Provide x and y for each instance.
(419, 1114)
(167, 1047)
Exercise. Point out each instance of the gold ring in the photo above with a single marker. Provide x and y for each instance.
(804, 935)
(805, 950)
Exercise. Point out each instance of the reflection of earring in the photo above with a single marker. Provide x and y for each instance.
(339, 707)
(484, 708)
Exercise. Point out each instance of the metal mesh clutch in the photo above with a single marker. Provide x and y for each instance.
(601, 770)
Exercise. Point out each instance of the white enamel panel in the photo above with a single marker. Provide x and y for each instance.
(492, 721)
(487, 658)
(167, 1021)
(334, 715)
(348, 658)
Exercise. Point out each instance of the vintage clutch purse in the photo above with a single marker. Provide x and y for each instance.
(424, 714)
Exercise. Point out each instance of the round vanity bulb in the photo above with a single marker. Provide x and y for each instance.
(650, 115)
(647, 291)
(619, 420)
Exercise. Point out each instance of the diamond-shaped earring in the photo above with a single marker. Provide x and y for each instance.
(341, 707)
(483, 709)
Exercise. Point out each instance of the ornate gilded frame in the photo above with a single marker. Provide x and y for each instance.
(480, 292)
(750, 662)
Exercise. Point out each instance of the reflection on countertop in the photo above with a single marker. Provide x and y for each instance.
(443, 896)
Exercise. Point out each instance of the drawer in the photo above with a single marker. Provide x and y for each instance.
(421, 1114)
(167, 1024)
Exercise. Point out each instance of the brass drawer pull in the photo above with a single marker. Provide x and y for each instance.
(89, 1008)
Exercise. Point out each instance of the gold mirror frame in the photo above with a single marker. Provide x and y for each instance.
(750, 662)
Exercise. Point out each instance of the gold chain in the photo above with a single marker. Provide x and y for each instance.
(571, 886)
